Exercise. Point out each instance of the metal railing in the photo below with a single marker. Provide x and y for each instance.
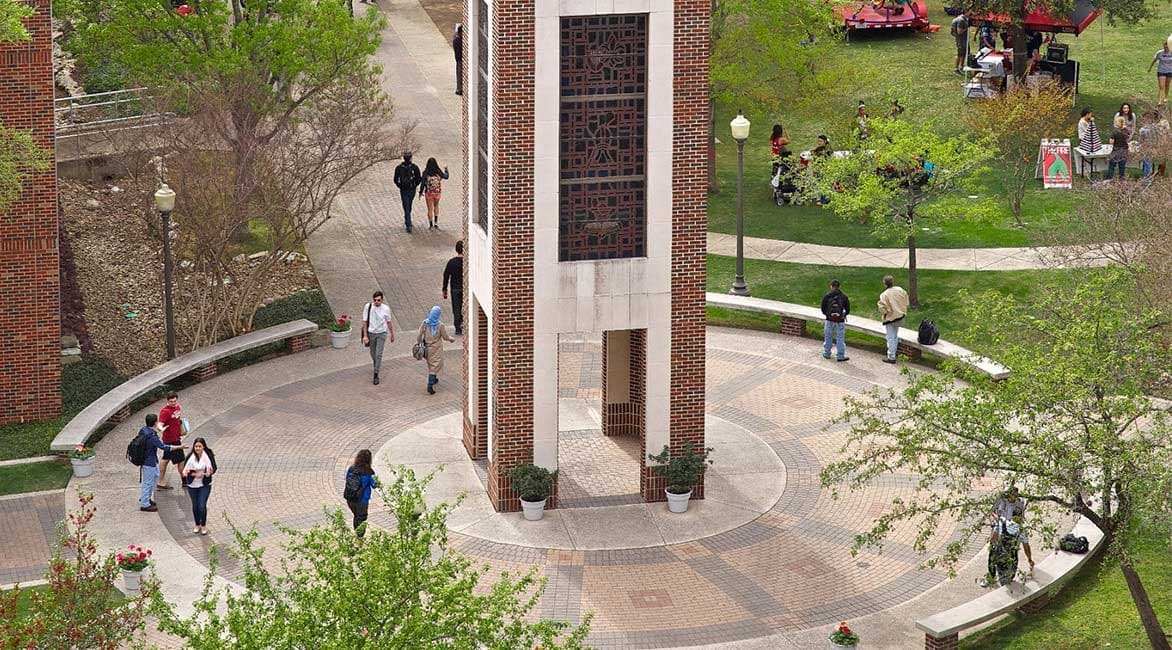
(104, 112)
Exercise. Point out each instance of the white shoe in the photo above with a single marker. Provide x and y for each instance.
(195, 531)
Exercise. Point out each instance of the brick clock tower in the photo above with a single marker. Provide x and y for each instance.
(30, 356)
(586, 130)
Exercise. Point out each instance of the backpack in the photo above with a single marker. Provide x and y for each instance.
(136, 451)
(353, 490)
(929, 333)
(835, 308)
(1072, 544)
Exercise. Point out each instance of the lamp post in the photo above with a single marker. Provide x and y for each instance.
(165, 203)
(740, 133)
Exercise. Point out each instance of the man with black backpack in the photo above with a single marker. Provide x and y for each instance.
(143, 451)
(835, 307)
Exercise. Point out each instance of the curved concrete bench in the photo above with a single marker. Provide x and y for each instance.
(942, 631)
(794, 318)
(115, 405)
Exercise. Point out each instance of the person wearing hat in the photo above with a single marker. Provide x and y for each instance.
(407, 179)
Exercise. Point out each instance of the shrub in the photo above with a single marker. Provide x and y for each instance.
(533, 483)
(82, 383)
(683, 470)
(310, 305)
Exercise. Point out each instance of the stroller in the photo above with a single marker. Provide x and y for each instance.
(784, 189)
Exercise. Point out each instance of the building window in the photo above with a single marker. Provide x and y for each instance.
(603, 145)
(482, 115)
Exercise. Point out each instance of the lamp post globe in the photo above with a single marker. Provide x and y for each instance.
(740, 132)
(165, 203)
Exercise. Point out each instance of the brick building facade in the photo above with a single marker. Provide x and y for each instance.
(30, 357)
(585, 207)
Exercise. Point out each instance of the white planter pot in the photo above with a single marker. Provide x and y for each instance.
(533, 510)
(83, 468)
(846, 647)
(678, 502)
(132, 580)
(339, 340)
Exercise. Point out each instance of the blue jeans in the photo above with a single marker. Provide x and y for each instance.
(893, 338)
(834, 333)
(150, 476)
(432, 380)
(1121, 164)
(408, 198)
(199, 503)
(1148, 167)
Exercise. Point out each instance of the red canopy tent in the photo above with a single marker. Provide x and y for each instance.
(1084, 13)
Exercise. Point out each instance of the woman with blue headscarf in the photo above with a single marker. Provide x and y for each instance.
(432, 334)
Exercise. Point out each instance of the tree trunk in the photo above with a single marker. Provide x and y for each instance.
(913, 284)
(1147, 615)
(713, 186)
(1021, 66)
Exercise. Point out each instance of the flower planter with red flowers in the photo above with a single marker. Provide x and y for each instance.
(82, 459)
(132, 564)
(843, 637)
(340, 332)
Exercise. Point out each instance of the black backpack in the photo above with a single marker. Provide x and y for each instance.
(835, 307)
(136, 451)
(929, 333)
(1072, 544)
(353, 490)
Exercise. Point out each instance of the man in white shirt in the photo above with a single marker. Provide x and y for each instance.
(376, 327)
(893, 303)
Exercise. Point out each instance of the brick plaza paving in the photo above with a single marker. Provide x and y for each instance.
(285, 430)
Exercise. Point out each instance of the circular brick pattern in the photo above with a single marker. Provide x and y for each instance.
(283, 454)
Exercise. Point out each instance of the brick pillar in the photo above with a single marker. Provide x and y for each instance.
(299, 343)
(204, 373)
(30, 305)
(624, 358)
(121, 415)
(950, 642)
(793, 326)
(476, 433)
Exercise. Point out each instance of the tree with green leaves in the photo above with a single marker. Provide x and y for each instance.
(902, 176)
(1074, 427)
(399, 588)
(20, 155)
(767, 54)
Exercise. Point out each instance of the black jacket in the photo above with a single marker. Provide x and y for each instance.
(407, 176)
(846, 304)
(207, 480)
(458, 44)
(454, 273)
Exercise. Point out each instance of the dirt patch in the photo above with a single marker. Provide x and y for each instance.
(445, 14)
(117, 256)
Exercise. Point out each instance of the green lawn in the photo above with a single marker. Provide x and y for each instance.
(806, 283)
(81, 384)
(33, 477)
(1095, 610)
(917, 68)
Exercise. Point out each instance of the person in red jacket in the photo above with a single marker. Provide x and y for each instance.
(173, 432)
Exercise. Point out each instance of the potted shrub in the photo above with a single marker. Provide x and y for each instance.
(534, 485)
(340, 332)
(681, 472)
(132, 564)
(843, 637)
(82, 459)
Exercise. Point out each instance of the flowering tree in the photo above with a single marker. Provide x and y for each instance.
(399, 588)
(1017, 121)
(80, 607)
(1072, 427)
(19, 153)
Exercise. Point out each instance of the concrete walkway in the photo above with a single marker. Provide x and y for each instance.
(942, 259)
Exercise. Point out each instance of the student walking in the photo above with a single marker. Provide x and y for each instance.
(458, 50)
(173, 433)
(893, 304)
(1163, 58)
(835, 307)
(430, 189)
(144, 450)
(197, 476)
(1006, 508)
(432, 334)
(960, 31)
(376, 329)
(360, 480)
(407, 179)
(454, 274)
